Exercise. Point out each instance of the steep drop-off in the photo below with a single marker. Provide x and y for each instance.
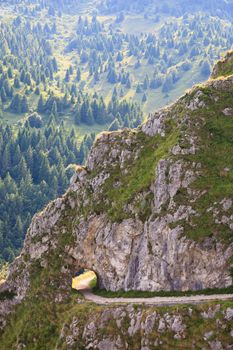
(151, 210)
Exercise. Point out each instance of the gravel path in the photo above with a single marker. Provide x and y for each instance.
(195, 299)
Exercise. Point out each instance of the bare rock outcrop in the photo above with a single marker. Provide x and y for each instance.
(145, 329)
(138, 213)
(151, 254)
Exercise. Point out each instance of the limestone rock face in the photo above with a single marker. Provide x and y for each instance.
(153, 229)
(145, 329)
(196, 103)
(149, 256)
(155, 125)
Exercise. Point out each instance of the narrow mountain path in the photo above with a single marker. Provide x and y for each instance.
(157, 301)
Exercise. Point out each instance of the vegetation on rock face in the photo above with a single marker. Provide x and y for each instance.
(224, 67)
(51, 313)
(38, 320)
(145, 294)
(66, 61)
(35, 162)
(45, 325)
(214, 142)
(139, 177)
(213, 131)
(43, 319)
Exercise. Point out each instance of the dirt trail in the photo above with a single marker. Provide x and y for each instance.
(157, 301)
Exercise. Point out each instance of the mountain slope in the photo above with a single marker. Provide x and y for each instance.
(174, 7)
(151, 210)
(152, 63)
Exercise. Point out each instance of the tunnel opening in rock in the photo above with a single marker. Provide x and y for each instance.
(84, 279)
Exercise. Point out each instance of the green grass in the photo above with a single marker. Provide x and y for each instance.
(215, 154)
(82, 130)
(156, 98)
(146, 294)
(143, 25)
(37, 322)
(224, 67)
(38, 319)
(139, 177)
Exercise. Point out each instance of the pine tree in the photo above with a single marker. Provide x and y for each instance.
(144, 98)
(24, 105)
(37, 91)
(5, 161)
(54, 110)
(112, 76)
(67, 76)
(78, 75)
(89, 117)
(16, 82)
(10, 73)
(15, 105)
(3, 95)
(40, 106)
(139, 89)
(27, 79)
(128, 83)
(22, 76)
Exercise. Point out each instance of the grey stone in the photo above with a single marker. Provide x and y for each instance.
(177, 325)
(229, 314)
(208, 335)
(155, 124)
(162, 325)
(107, 344)
(196, 102)
(228, 112)
(215, 345)
(211, 312)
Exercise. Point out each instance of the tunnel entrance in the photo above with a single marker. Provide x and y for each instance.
(84, 279)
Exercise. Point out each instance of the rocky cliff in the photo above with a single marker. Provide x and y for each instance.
(151, 210)
(150, 328)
